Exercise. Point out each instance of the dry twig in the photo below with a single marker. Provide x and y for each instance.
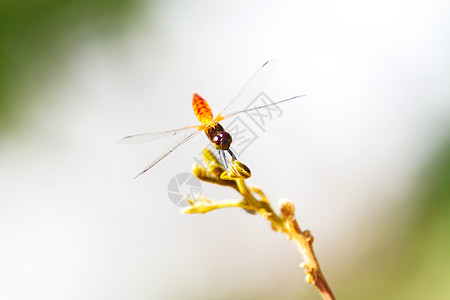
(284, 222)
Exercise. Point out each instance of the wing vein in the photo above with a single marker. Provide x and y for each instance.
(149, 136)
(262, 106)
(157, 160)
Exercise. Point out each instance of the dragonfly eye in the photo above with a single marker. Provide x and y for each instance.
(222, 141)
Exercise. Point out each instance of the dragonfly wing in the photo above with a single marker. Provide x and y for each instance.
(252, 88)
(150, 136)
(173, 148)
(260, 107)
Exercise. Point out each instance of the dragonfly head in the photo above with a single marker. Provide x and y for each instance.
(222, 140)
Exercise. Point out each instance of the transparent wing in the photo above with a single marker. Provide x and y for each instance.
(150, 136)
(252, 88)
(260, 107)
(193, 132)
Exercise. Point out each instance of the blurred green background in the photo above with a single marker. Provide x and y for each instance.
(410, 260)
(371, 152)
(38, 37)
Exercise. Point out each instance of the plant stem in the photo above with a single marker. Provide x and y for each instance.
(285, 222)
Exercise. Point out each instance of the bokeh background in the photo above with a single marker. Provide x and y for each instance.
(365, 156)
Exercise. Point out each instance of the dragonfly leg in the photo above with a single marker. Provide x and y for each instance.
(231, 153)
(223, 158)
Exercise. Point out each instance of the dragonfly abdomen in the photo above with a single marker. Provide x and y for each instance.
(202, 109)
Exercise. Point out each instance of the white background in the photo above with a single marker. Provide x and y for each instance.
(73, 225)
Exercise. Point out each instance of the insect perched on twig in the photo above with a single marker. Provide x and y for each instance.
(210, 125)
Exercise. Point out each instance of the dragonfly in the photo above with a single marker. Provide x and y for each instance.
(215, 132)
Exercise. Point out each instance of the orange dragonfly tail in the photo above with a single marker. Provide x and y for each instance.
(202, 109)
